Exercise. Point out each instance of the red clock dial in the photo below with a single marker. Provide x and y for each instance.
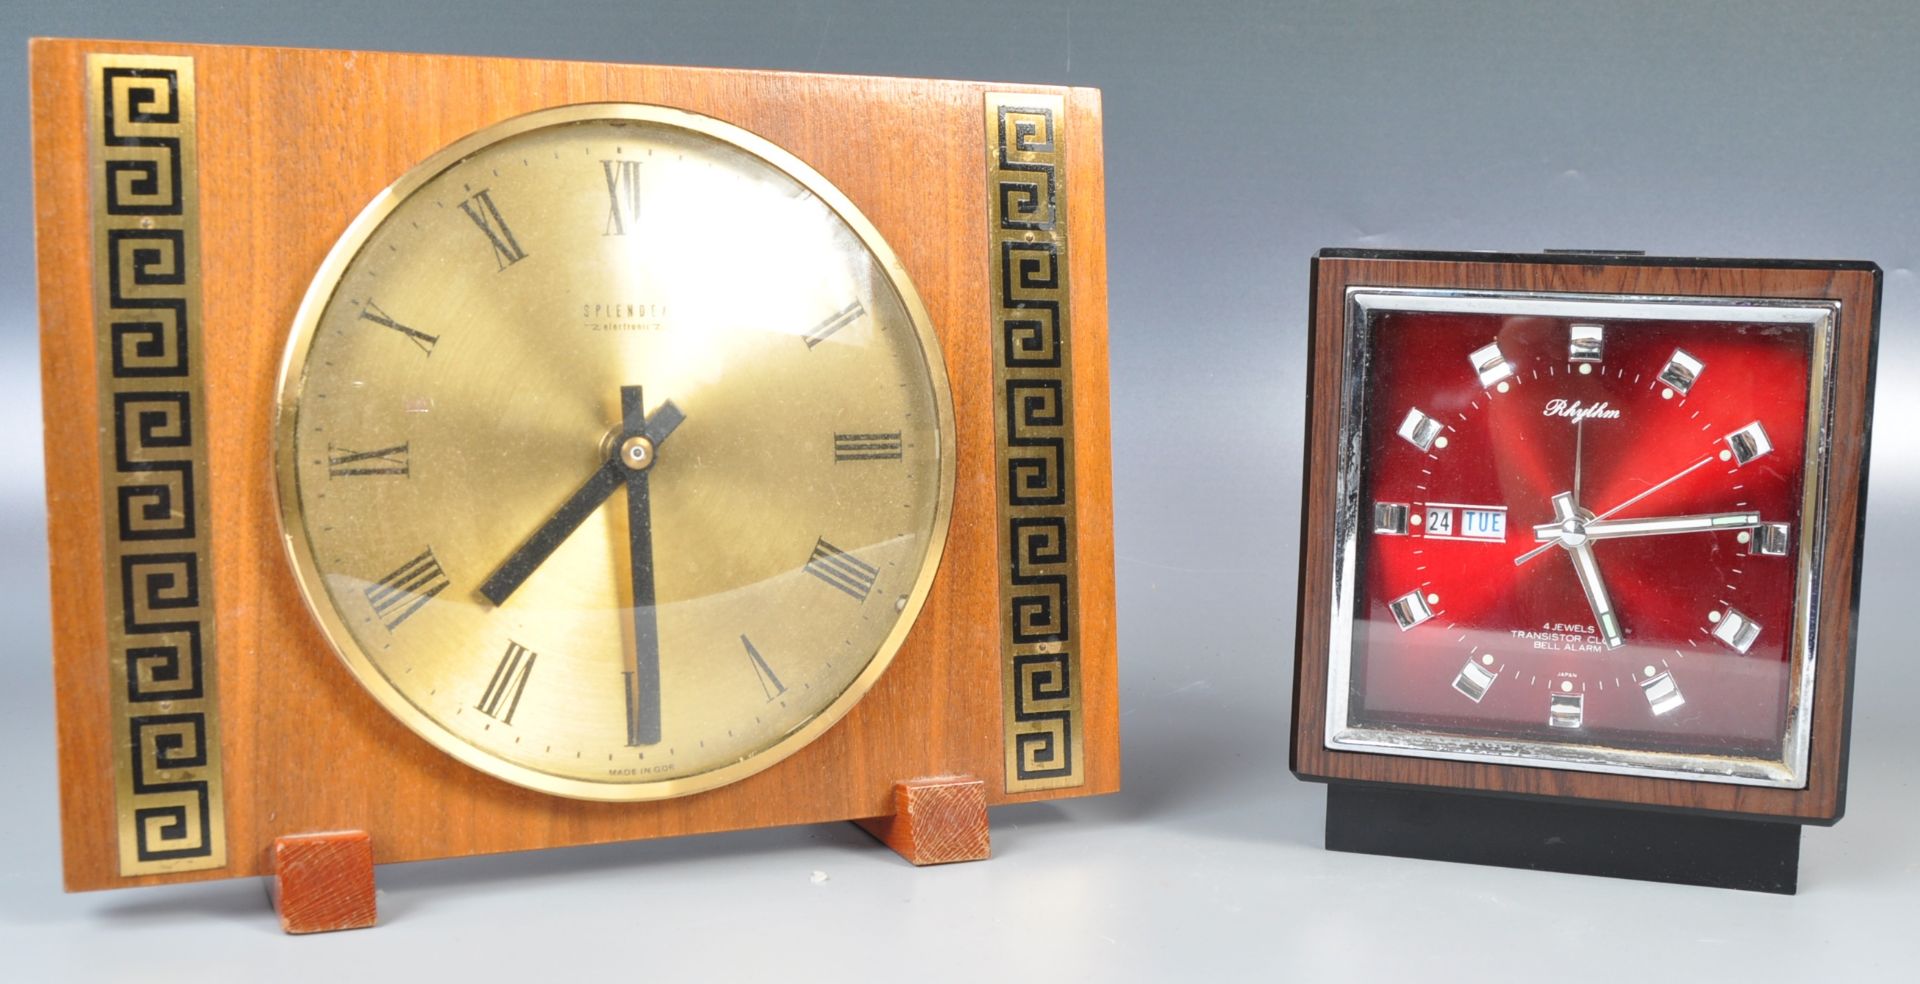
(1581, 530)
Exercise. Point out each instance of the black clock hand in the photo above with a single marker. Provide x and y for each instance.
(611, 475)
(662, 423)
(545, 540)
(643, 680)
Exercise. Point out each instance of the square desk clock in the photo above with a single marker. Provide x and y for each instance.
(1581, 557)
(486, 454)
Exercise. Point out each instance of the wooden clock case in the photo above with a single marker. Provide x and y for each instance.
(1700, 832)
(292, 144)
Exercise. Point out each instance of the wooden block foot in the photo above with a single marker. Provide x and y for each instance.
(323, 882)
(936, 821)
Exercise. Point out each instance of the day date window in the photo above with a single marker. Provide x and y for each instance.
(1458, 521)
(1484, 524)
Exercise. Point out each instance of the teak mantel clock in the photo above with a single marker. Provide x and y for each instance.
(489, 454)
(1580, 562)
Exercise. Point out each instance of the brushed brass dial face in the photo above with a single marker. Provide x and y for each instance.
(615, 452)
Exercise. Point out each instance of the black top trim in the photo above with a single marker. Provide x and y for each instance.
(1591, 258)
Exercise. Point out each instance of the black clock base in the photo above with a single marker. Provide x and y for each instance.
(1718, 852)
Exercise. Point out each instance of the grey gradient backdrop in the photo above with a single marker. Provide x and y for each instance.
(1240, 138)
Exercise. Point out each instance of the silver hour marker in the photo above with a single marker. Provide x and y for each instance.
(1419, 429)
(1491, 366)
(1585, 343)
(1566, 710)
(1390, 517)
(1681, 371)
(1410, 609)
(1735, 629)
(1748, 443)
(1473, 680)
(1663, 694)
(1770, 540)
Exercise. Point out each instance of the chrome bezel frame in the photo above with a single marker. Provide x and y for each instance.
(1787, 771)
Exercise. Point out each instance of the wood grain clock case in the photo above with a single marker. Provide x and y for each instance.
(1581, 555)
(187, 195)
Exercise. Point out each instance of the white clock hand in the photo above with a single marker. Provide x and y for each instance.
(1684, 472)
(1598, 529)
(1588, 571)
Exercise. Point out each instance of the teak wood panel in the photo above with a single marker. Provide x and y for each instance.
(293, 143)
(1857, 291)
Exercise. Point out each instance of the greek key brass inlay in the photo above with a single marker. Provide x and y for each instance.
(1033, 434)
(153, 464)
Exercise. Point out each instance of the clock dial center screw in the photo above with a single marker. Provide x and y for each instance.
(1573, 532)
(636, 453)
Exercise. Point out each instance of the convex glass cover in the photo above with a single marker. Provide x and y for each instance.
(1577, 531)
(614, 451)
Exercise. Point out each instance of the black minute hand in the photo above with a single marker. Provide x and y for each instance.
(643, 680)
(609, 476)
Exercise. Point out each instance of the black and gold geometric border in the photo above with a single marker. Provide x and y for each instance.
(153, 463)
(1033, 433)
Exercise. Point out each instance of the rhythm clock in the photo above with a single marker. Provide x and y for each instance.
(488, 454)
(1583, 556)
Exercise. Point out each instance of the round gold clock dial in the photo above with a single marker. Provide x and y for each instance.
(615, 452)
